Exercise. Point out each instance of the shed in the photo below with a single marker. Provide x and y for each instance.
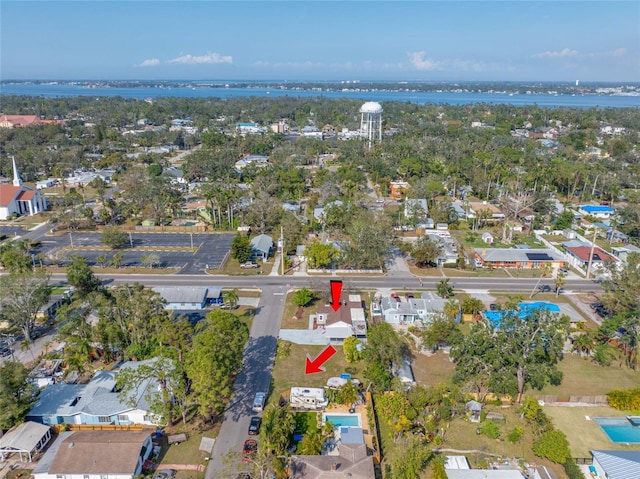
(474, 410)
(487, 237)
(28, 438)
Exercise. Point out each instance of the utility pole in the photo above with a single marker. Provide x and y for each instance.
(282, 249)
(593, 247)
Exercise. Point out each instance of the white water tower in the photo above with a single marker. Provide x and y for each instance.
(371, 121)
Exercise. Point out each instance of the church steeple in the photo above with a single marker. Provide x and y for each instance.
(16, 177)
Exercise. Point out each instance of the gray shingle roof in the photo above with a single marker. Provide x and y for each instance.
(262, 243)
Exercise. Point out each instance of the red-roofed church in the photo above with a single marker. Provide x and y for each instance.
(18, 199)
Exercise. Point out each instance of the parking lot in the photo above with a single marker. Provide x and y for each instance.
(174, 249)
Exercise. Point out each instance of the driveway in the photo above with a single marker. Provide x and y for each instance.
(258, 360)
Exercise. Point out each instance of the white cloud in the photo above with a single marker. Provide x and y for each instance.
(150, 62)
(618, 52)
(209, 58)
(565, 52)
(419, 62)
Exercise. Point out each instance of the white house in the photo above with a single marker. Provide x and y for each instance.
(596, 211)
(413, 310)
(95, 455)
(97, 402)
(18, 199)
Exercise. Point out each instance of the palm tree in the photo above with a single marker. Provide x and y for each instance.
(560, 280)
(230, 298)
(583, 343)
(444, 289)
(116, 260)
(451, 309)
(311, 444)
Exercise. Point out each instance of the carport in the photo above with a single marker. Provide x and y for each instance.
(28, 438)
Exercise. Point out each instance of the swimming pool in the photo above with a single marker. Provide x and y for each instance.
(340, 420)
(619, 429)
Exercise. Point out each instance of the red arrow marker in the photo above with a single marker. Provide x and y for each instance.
(315, 366)
(336, 291)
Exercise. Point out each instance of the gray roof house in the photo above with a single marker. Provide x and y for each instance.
(616, 464)
(184, 298)
(28, 438)
(97, 402)
(415, 208)
(261, 246)
(412, 310)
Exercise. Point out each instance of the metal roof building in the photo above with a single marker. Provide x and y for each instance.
(617, 464)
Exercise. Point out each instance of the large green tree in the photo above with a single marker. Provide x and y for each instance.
(426, 251)
(214, 360)
(17, 395)
(22, 294)
(80, 276)
(522, 351)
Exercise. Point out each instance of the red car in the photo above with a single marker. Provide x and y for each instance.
(249, 450)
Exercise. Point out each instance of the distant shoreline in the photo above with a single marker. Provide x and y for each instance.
(517, 94)
(485, 87)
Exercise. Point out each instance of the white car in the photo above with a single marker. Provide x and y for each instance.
(258, 402)
(249, 264)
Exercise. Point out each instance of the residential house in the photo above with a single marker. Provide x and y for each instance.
(349, 320)
(412, 310)
(320, 212)
(18, 199)
(448, 246)
(261, 246)
(517, 258)
(415, 208)
(97, 402)
(249, 128)
(494, 212)
(95, 455)
(398, 189)
(351, 461)
(583, 252)
(27, 440)
(623, 253)
(615, 464)
(185, 298)
(597, 211)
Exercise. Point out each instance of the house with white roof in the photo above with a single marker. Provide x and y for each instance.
(26, 440)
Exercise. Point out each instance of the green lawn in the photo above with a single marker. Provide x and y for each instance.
(585, 435)
(290, 372)
(583, 377)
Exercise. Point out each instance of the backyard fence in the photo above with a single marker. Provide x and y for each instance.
(595, 400)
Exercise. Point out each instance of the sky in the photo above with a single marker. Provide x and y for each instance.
(322, 40)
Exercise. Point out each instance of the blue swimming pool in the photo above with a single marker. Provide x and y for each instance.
(619, 429)
(339, 420)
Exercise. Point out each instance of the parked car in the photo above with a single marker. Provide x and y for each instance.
(409, 295)
(4, 352)
(254, 426)
(258, 401)
(249, 265)
(165, 474)
(493, 307)
(249, 450)
(563, 270)
(544, 288)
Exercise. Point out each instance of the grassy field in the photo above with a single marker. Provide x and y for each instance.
(188, 452)
(289, 372)
(583, 377)
(585, 435)
(431, 370)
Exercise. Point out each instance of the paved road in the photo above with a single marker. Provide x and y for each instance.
(259, 355)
